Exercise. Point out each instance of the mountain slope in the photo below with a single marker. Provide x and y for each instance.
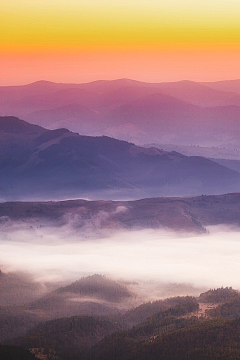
(52, 163)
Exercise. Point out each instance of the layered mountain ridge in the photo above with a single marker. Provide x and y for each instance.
(207, 114)
(36, 162)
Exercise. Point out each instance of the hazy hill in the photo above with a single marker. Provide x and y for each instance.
(36, 162)
(166, 119)
(19, 288)
(97, 286)
(198, 94)
(93, 295)
(180, 214)
(225, 85)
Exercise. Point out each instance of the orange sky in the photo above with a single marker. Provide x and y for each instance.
(80, 41)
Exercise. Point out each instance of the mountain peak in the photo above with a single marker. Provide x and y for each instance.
(13, 125)
(98, 286)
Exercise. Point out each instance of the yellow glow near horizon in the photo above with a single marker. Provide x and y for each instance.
(81, 24)
(89, 33)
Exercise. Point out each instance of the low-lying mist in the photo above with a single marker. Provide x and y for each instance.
(152, 256)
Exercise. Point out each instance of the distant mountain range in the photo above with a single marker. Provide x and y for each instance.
(216, 153)
(184, 112)
(39, 163)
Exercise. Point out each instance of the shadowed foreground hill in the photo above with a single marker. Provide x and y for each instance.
(174, 328)
(208, 340)
(36, 162)
(69, 337)
(15, 353)
(73, 337)
(177, 332)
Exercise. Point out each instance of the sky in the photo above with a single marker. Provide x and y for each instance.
(148, 40)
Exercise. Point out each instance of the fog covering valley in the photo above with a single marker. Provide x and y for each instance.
(119, 221)
(154, 257)
(157, 248)
(72, 292)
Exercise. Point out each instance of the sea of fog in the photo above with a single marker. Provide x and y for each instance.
(52, 254)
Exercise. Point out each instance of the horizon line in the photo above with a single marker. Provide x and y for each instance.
(119, 79)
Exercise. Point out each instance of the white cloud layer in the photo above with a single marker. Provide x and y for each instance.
(210, 260)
